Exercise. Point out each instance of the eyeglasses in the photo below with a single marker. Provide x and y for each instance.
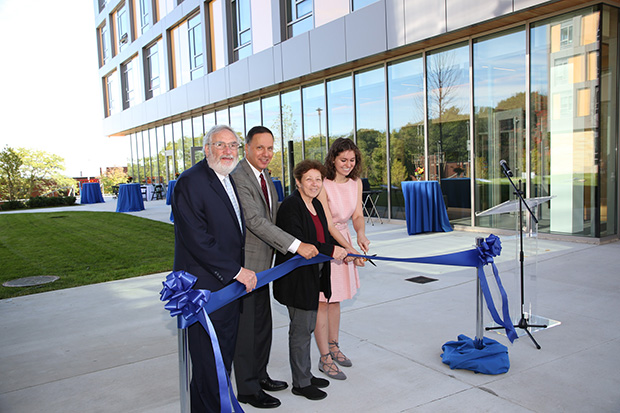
(222, 145)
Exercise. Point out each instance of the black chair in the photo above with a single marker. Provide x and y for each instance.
(158, 192)
(144, 193)
(115, 191)
(370, 197)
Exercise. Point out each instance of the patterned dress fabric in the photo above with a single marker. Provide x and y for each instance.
(342, 200)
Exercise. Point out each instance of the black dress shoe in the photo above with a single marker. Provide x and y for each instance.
(272, 385)
(261, 400)
(310, 392)
(318, 382)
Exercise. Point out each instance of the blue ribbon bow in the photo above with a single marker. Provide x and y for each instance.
(190, 305)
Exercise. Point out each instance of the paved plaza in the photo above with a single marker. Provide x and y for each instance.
(112, 347)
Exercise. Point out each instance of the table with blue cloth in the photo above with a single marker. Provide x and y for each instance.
(91, 193)
(171, 185)
(278, 184)
(425, 210)
(129, 198)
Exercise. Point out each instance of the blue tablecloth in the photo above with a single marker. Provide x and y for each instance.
(129, 198)
(425, 210)
(91, 193)
(279, 190)
(169, 191)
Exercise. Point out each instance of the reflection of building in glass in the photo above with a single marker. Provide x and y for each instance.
(450, 87)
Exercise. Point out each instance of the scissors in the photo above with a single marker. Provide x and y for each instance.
(369, 260)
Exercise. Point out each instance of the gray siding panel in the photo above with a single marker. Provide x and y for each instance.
(218, 85)
(395, 18)
(327, 45)
(261, 69)
(239, 77)
(433, 23)
(296, 57)
(365, 31)
(465, 13)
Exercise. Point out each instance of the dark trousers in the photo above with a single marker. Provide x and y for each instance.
(253, 341)
(299, 336)
(204, 391)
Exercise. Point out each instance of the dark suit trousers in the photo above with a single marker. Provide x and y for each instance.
(204, 391)
(253, 341)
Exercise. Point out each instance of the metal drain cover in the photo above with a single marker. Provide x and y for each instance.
(30, 281)
(421, 279)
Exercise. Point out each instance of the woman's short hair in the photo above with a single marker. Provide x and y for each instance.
(306, 165)
(338, 146)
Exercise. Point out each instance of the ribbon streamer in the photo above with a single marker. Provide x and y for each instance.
(190, 306)
(195, 305)
(478, 258)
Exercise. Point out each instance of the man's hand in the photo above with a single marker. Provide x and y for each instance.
(247, 278)
(307, 250)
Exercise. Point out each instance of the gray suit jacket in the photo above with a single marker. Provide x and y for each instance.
(262, 234)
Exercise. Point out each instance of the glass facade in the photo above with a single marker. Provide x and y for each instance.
(499, 120)
(542, 96)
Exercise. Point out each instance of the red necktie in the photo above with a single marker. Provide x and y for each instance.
(263, 185)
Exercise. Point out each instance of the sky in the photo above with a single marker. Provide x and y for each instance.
(50, 93)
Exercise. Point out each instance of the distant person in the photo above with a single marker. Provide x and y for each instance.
(259, 202)
(342, 200)
(209, 244)
(302, 215)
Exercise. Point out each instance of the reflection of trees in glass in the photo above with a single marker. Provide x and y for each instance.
(448, 124)
(407, 147)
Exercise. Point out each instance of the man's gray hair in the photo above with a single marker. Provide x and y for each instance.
(208, 138)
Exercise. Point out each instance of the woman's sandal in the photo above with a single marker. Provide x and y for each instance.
(330, 369)
(338, 356)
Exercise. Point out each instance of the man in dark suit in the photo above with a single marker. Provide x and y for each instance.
(209, 244)
(259, 202)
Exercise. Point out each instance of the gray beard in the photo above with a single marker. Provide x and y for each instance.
(217, 166)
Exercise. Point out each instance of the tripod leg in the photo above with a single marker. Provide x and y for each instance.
(532, 337)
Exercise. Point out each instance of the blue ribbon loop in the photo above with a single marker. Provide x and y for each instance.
(190, 306)
(477, 258)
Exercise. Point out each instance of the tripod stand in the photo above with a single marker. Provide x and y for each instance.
(523, 321)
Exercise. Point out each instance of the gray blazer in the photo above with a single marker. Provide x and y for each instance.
(262, 234)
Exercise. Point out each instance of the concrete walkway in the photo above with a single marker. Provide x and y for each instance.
(112, 347)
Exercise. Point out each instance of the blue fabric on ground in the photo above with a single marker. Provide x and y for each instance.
(492, 358)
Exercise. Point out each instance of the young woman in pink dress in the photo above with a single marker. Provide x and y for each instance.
(342, 200)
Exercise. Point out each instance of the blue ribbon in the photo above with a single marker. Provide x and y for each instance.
(478, 258)
(194, 305)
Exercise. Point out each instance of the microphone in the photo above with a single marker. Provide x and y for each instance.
(505, 167)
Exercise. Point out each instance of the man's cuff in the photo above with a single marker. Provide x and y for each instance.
(294, 246)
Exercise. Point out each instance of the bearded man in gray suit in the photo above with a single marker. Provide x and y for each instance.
(259, 201)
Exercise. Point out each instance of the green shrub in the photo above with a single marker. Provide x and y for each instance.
(12, 205)
(41, 201)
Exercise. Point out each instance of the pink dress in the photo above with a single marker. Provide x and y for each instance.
(342, 200)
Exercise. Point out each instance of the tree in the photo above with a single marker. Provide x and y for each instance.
(10, 178)
(113, 176)
(42, 171)
(27, 173)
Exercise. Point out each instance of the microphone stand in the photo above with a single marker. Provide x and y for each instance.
(523, 322)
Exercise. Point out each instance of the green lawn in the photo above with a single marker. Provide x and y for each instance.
(81, 248)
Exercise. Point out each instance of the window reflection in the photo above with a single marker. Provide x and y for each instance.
(315, 124)
(340, 108)
(370, 134)
(406, 114)
(448, 124)
(499, 110)
(563, 121)
(291, 123)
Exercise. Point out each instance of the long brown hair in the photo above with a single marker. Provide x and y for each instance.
(338, 146)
